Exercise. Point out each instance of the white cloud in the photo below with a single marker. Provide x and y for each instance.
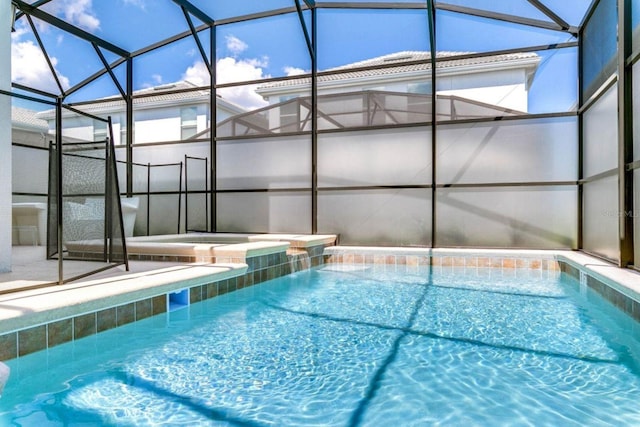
(20, 30)
(294, 71)
(232, 70)
(137, 3)
(29, 68)
(77, 12)
(157, 78)
(197, 74)
(235, 45)
(244, 96)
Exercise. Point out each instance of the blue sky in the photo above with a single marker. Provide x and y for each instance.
(271, 47)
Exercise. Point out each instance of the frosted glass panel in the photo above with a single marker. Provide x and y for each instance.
(636, 216)
(636, 110)
(600, 220)
(140, 182)
(601, 134)
(599, 45)
(264, 163)
(531, 217)
(164, 210)
(35, 177)
(164, 178)
(377, 217)
(388, 157)
(272, 212)
(169, 153)
(511, 151)
(196, 216)
(121, 168)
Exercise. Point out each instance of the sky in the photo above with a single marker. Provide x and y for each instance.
(271, 47)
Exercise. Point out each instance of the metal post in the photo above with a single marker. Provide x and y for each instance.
(108, 235)
(314, 122)
(148, 196)
(213, 125)
(206, 191)
(580, 196)
(130, 129)
(186, 195)
(432, 42)
(179, 196)
(59, 189)
(625, 137)
(115, 192)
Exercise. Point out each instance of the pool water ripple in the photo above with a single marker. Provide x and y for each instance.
(349, 348)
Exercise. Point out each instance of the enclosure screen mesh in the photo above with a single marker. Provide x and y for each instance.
(91, 215)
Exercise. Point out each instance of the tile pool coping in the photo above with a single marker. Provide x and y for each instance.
(37, 319)
(34, 320)
(619, 286)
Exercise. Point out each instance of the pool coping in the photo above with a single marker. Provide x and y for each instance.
(41, 306)
(33, 320)
(619, 286)
(41, 318)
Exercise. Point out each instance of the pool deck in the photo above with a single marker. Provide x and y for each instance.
(36, 314)
(147, 282)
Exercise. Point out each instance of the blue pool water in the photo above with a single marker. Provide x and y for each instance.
(349, 346)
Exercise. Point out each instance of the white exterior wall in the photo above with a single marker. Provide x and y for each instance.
(157, 125)
(150, 125)
(77, 128)
(117, 134)
(506, 88)
(5, 136)
(201, 119)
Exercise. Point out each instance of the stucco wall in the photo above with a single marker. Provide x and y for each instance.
(5, 136)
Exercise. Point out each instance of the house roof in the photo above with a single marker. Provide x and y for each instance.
(356, 70)
(25, 119)
(152, 97)
(405, 56)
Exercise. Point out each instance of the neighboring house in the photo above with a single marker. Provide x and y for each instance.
(162, 113)
(500, 80)
(27, 128)
(399, 91)
(390, 89)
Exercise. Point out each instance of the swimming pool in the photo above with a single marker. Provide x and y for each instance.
(348, 346)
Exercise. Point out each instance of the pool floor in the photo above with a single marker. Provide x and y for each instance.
(344, 345)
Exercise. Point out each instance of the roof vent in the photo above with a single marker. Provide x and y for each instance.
(397, 58)
(164, 87)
